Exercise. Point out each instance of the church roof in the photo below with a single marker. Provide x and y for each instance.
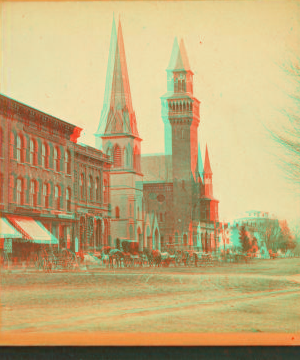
(157, 168)
(207, 168)
(179, 60)
(117, 116)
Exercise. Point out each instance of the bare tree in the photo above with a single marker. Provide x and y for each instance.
(288, 136)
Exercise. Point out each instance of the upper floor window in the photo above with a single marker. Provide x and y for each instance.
(117, 212)
(56, 159)
(68, 199)
(12, 145)
(19, 148)
(97, 189)
(56, 197)
(105, 191)
(91, 187)
(67, 162)
(81, 186)
(33, 152)
(45, 155)
(32, 197)
(46, 195)
(20, 190)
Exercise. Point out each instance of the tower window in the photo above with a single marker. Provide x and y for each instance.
(117, 212)
(117, 156)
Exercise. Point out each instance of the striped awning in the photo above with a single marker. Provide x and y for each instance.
(32, 230)
(7, 231)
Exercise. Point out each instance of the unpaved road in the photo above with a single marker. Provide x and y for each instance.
(261, 297)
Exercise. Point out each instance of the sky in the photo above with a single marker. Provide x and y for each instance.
(54, 58)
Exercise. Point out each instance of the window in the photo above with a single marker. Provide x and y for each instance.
(45, 155)
(105, 191)
(19, 192)
(32, 152)
(67, 162)
(117, 212)
(138, 212)
(117, 156)
(82, 186)
(32, 197)
(56, 159)
(91, 187)
(97, 189)
(46, 195)
(19, 148)
(56, 197)
(68, 199)
(161, 217)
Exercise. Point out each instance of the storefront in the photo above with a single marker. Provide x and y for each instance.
(32, 236)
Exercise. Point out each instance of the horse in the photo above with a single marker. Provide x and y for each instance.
(154, 257)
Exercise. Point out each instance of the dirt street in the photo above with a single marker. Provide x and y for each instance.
(259, 297)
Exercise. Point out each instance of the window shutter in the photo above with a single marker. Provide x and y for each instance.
(39, 151)
(25, 149)
(50, 157)
(14, 144)
(62, 158)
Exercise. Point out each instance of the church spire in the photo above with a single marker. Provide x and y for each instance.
(117, 116)
(179, 60)
(207, 168)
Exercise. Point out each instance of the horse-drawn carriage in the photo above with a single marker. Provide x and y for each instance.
(49, 259)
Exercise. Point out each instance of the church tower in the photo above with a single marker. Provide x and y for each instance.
(117, 136)
(180, 114)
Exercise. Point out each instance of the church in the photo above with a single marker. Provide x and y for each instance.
(157, 200)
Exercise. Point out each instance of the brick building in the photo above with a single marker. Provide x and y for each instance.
(41, 171)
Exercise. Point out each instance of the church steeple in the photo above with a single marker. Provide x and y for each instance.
(207, 176)
(207, 168)
(117, 116)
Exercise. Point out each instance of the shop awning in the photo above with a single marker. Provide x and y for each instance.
(7, 231)
(32, 230)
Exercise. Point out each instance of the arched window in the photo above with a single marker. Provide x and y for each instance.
(105, 191)
(67, 162)
(109, 152)
(117, 212)
(56, 197)
(46, 195)
(45, 155)
(33, 195)
(91, 188)
(19, 148)
(20, 192)
(56, 159)
(68, 199)
(82, 184)
(117, 156)
(97, 189)
(31, 155)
